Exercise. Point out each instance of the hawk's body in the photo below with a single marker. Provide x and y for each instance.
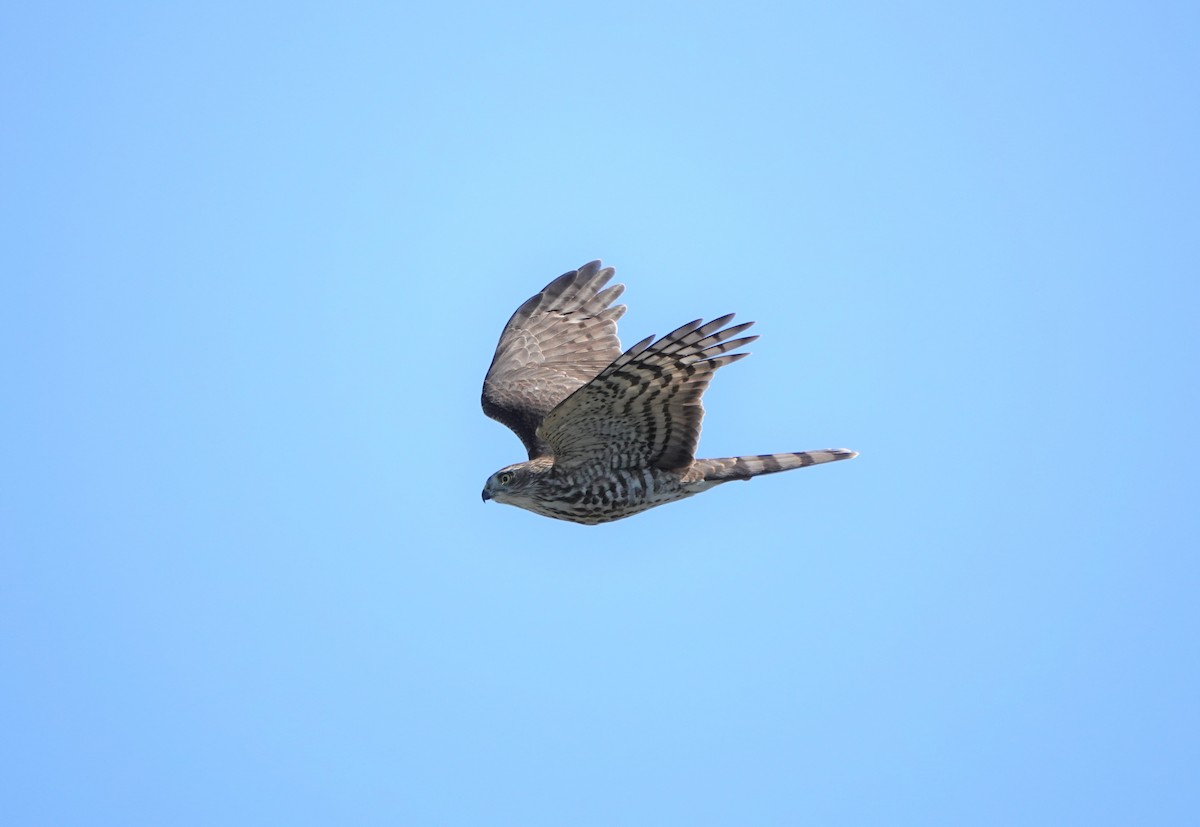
(609, 434)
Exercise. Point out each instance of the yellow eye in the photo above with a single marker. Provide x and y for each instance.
(505, 478)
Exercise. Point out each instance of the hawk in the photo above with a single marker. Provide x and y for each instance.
(610, 434)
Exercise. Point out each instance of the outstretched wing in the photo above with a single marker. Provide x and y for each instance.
(644, 409)
(554, 343)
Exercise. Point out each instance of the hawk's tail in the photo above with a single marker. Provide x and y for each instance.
(743, 468)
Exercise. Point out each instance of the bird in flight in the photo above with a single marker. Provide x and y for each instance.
(610, 434)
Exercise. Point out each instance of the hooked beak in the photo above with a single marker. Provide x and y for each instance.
(486, 495)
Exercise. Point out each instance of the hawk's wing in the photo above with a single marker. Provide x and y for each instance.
(554, 343)
(644, 409)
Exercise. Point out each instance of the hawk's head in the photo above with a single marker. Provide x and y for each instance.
(510, 485)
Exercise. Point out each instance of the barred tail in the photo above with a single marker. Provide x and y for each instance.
(743, 468)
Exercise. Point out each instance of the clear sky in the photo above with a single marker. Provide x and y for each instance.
(256, 258)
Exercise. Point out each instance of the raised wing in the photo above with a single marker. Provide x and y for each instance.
(644, 409)
(555, 343)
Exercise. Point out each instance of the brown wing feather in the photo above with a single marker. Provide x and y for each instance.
(555, 343)
(644, 409)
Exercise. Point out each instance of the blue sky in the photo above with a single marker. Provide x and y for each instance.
(257, 257)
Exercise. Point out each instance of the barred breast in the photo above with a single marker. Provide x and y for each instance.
(609, 495)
